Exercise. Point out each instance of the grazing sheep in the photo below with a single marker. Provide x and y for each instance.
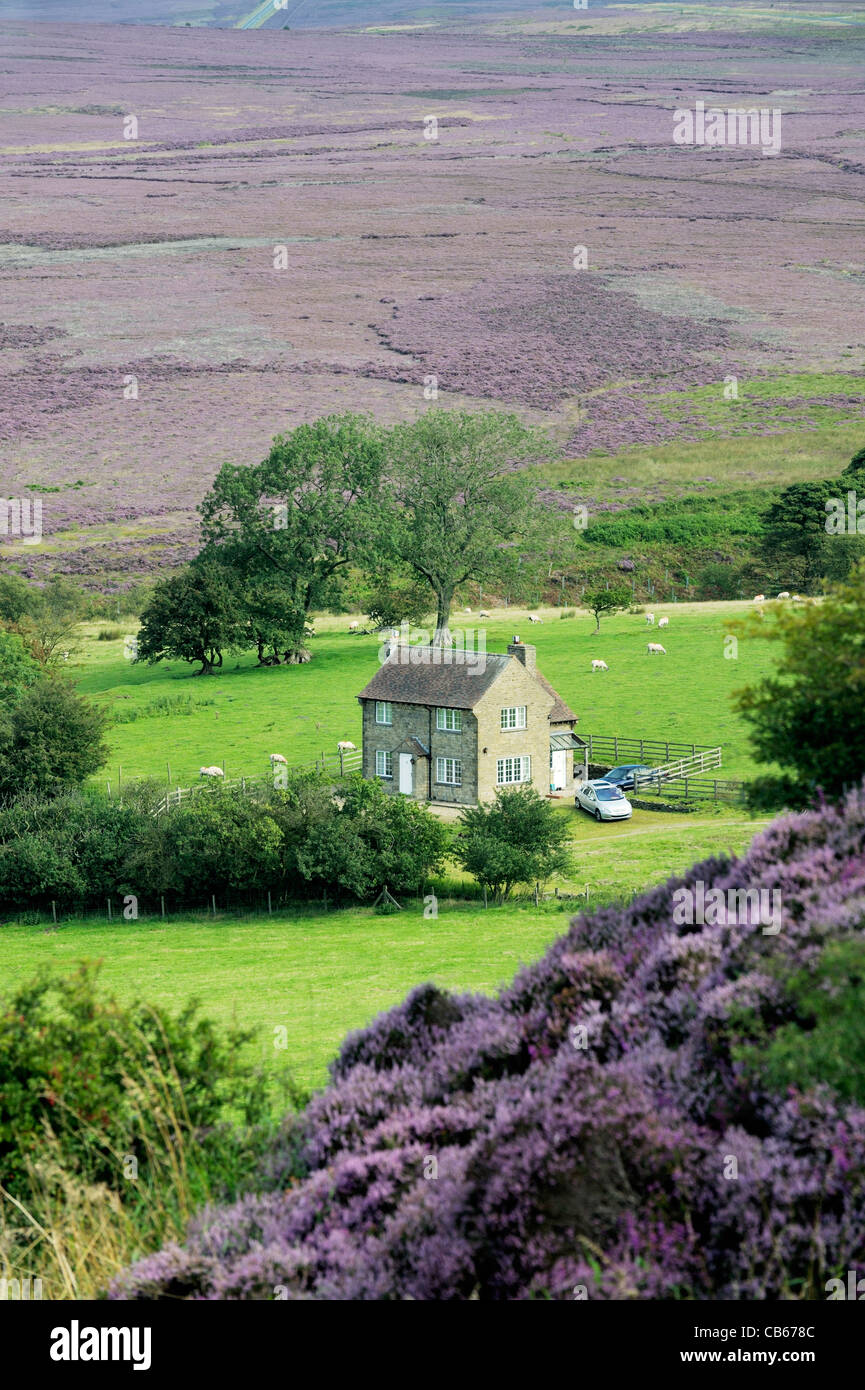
(353, 627)
(533, 618)
(759, 598)
(653, 647)
(277, 758)
(483, 613)
(345, 746)
(210, 772)
(650, 620)
(784, 593)
(663, 622)
(600, 666)
(797, 598)
(468, 610)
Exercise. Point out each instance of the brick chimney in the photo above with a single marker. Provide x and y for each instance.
(525, 653)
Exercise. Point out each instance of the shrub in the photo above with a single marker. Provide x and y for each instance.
(79, 1065)
(517, 839)
(51, 740)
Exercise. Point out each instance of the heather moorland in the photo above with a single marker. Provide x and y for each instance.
(280, 239)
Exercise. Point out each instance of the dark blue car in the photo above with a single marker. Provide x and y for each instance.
(624, 776)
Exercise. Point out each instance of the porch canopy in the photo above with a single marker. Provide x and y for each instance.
(560, 742)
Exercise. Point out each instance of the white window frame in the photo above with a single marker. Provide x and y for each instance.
(383, 712)
(511, 772)
(384, 764)
(513, 717)
(449, 771)
(449, 721)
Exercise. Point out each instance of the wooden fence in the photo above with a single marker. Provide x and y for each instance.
(622, 748)
(695, 789)
(691, 766)
(679, 777)
(336, 764)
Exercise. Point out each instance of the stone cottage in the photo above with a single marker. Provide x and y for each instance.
(452, 726)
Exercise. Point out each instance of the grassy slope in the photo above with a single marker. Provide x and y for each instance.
(745, 461)
(301, 710)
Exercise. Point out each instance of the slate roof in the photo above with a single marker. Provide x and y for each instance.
(456, 684)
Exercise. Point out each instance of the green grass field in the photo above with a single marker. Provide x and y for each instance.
(245, 713)
(319, 974)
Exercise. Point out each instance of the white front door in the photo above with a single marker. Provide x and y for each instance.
(559, 769)
(406, 779)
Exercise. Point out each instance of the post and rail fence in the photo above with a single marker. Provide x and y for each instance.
(680, 775)
(337, 764)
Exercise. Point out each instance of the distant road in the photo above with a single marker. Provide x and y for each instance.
(257, 18)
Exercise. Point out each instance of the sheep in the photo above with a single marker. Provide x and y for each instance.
(785, 593)
(277, 758)
(650, 620)
(759, 598)
(353, 627)
(797, 598)
(210, 772)
(653, 647)
(663, 622)
(600, 666)
(345, 746)
(483, 613)
(468, 610)
(533, 618)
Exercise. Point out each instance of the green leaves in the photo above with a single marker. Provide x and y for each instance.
(53, 739)
(519, 838)
(809, 717)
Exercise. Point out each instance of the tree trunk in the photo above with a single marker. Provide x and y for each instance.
(442, 636)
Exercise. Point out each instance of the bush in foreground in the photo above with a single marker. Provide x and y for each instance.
(611, 1126)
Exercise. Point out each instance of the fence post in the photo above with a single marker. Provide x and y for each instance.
(616, 747)
(667, 755)
(162, 902)
(641, 750)
(54, 911)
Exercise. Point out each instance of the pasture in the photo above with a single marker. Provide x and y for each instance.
(318, 974)
(244, 713)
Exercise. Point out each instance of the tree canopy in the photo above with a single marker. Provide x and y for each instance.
(808, 717)
(518, 838)
(455, 507)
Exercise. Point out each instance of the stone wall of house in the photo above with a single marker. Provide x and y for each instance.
(420, 722)
(514, 687)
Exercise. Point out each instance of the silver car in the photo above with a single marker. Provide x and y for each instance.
(604, 801)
